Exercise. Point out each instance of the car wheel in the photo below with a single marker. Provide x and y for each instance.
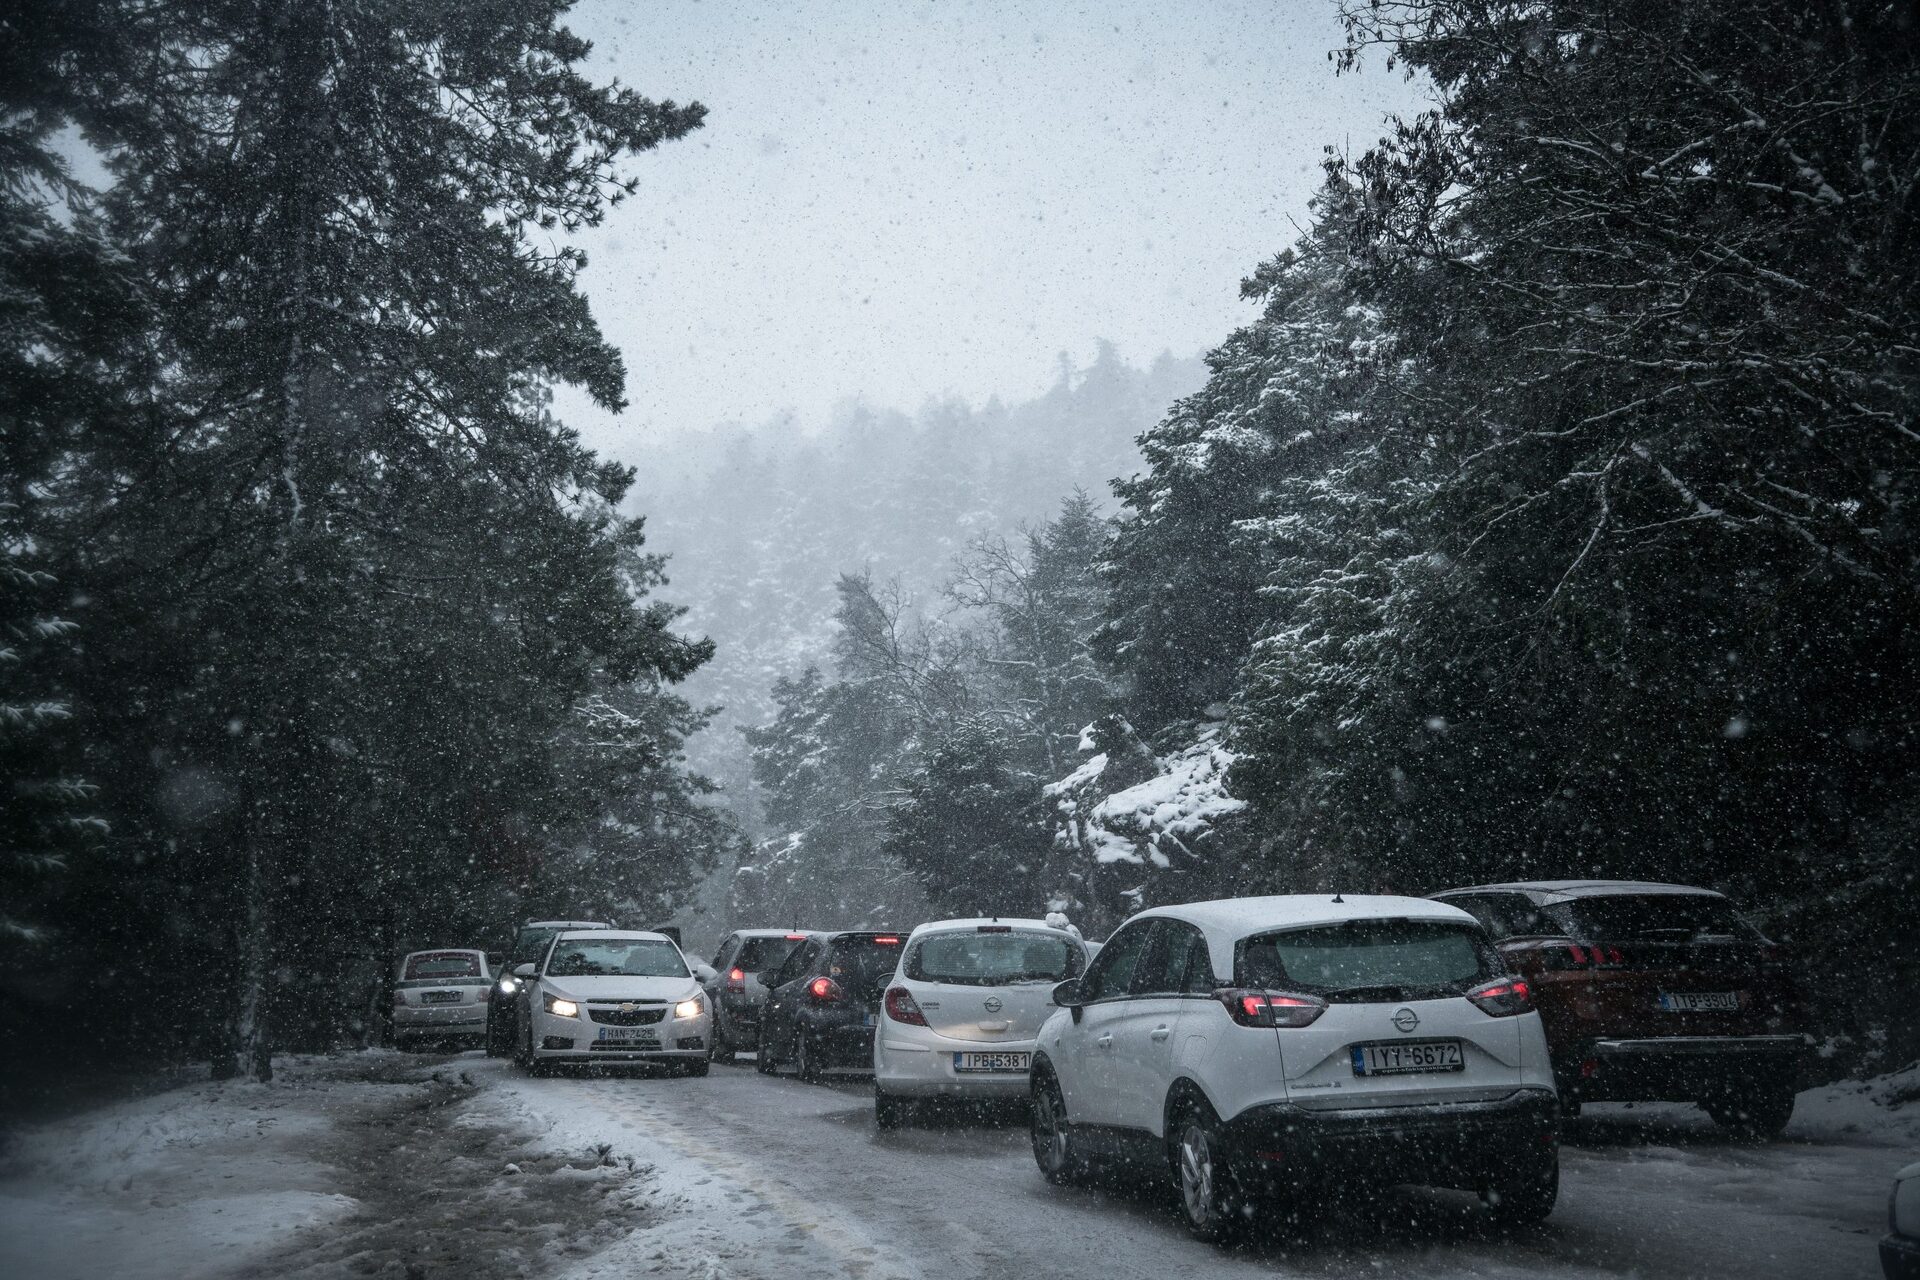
(723, 1050)
(499, 1036)
(1761, 1113)
(763, 1056)
(806, 1064)
(1203, 1175)
(1055, 1149)
(889, 1112)
(1524, 1195)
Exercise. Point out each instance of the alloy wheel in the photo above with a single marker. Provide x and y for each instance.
(1197, 1175)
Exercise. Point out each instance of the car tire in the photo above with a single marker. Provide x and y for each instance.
(763, 1057)
(1523, 1196)
(1055, 1149)
(889, 1112)
(1760, 1113)
(1209, 1201)
(806, 1063)
(499, 1036)
(723, 1050)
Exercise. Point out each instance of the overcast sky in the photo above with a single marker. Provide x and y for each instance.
(903, 200)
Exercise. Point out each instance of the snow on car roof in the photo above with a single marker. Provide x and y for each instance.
(566, 924)
(445, 951)
(617, 935)
(974, 922)
(771, 933)
(1589, 888)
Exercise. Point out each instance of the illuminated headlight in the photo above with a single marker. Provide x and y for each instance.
(562, 1008)
(508, 986)
(690, 1008)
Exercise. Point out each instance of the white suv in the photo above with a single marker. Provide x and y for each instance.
(959, 1018)
(1256, 1047)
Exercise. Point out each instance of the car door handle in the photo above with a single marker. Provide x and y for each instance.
(1159, 1033)
(1106, 1041)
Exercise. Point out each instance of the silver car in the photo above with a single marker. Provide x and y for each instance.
(736, 991)
(440, 995)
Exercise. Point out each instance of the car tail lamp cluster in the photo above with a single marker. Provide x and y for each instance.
(825, 990)
(1575, 955)
(887, 940)
(1503, 997)
(902, 1007)
(736, 979)
(1271, 1008)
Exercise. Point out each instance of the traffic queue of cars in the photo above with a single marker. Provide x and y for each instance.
(1247, 1049)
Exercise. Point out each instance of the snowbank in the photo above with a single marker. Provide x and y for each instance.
(201, 1181)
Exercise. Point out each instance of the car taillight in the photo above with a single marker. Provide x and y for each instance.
(1503, 997)
(1576, 955)
(902, 1007)
(1271, 1008)
(796, 937)
(887, 942)
(824, 989)
(736, 979)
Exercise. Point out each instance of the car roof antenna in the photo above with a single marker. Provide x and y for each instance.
(1337, 897)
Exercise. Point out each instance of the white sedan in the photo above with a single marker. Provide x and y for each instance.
(612, 995)
(440, 994)
(960, 1016)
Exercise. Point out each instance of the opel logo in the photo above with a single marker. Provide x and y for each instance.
(1405, 1019)
(993, 1004)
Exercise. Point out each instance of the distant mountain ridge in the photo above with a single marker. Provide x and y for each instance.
(758, 522)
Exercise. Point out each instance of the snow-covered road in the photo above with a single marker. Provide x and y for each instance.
(771, 1178)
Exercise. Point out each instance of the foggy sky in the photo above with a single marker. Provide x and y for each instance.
(903, 200)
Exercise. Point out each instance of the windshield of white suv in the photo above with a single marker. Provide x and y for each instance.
(975, 959)
(616, 957)
(1369, 960)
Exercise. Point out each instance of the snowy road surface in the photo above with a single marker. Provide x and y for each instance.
(774, 1177)
(432, 1168)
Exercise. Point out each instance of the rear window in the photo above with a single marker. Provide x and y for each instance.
(993, 959)
(757, 955)
(442, 964)
(616, 957)
(1650, 917)
(863, 965)
(1369, 960)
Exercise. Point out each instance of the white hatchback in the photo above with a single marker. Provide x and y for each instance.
(1256, 1048)
(612, 995)
(966, 1001)
(440, 994)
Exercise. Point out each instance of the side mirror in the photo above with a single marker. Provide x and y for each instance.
(523, 971)
(704, 974)
(1066, 995)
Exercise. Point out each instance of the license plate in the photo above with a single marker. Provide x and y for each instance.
(639, 1036)
(1404, 1059)
(439, 997)
(992, 1062)
(1700, 1001)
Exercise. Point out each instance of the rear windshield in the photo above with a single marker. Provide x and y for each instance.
(863, 965)
(442, 964)
(757, 955)
(1650, 917)
(616, 957)
(1369, 960)
(993, 959)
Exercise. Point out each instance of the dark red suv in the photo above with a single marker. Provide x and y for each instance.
(1652, 992)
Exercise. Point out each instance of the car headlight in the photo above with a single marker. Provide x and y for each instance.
(562, 1008)
(508, 986)
(690, 1008)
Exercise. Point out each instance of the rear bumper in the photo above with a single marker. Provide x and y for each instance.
(1679, 1067)
(1445, 1144)
(916, 1062)
(470, 1019)
(1900, 1257)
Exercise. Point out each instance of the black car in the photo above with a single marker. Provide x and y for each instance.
(529, 944)
(824, 1002)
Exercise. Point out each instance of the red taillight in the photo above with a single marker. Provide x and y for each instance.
(1271, 1008)
(902, 1007)
(1575, 955)
(823, 989)
(1503, 997)
(736, 979)
(888, 942)
(796, 937)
